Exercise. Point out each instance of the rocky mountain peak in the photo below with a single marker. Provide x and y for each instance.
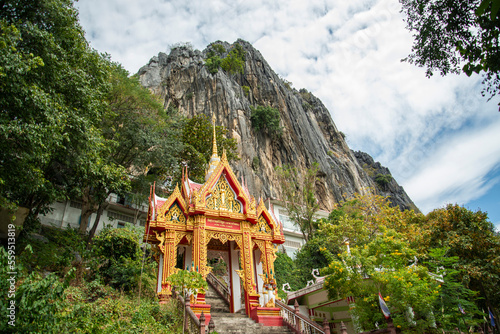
(182, 80)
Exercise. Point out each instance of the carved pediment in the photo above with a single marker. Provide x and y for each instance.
(223, 198)
(174, 215)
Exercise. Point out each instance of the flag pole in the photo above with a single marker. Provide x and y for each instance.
(462, 312)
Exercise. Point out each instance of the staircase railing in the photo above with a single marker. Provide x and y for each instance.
(297, 322)
(192, 324)
(219, 287)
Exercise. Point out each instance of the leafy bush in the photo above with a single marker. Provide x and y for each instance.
(53, 249)
(256, 164)
(266, 118)
(233, 63)
(213, 63)
(286, 272)
(38, 301)
(119, 259)
(246, 90)
(383, 180)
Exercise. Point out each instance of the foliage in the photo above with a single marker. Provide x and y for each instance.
(214, 61)
(57, 253)
(197, 137)
(190, 281)
(285, 271)
(359, 219)
(452, 292)
(256, 163)
(52, 88)
(383, 180)
(267, 119)
(470, 237)
(138, 135)
(451, 37)
(246, 90)
(298, 191)
(234, 62)
(118, 259)
(386, 261)
(315, 254)
(38, 301)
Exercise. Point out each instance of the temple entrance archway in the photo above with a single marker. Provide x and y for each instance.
(218, 219)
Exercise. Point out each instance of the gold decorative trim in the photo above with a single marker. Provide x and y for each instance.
(223, 198)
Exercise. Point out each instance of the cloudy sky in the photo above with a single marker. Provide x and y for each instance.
(439, 137)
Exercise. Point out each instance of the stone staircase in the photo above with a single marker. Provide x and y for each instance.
(233, 323)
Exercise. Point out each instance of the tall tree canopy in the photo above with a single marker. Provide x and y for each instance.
(52, 92)
(455, 36)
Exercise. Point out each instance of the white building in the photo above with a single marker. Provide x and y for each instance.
(118, 211)
(294, 239)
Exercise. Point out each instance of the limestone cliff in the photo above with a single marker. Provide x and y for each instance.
(182, 80)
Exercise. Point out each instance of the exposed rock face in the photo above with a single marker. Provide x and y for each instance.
(182, 80)
(386, 185)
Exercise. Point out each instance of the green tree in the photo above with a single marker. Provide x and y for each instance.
(407, 288)
(138, 134)
(456, 36)
(52, 95)
(298, 191)
(267, 119)
(285, 271)
(471, 237)
(452, 292)
(234, 62)
(197, 135)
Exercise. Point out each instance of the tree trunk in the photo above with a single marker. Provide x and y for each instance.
(88, 208)
(99, 212)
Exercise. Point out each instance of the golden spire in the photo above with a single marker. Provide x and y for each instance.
(214, 160)
(214, 141)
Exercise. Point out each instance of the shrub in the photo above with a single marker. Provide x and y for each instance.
(119, 259)
(246, 90)
(266, 118)
(383, 180)
(213, 63)
(256, 163)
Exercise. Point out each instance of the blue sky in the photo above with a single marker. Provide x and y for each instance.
(439, 137)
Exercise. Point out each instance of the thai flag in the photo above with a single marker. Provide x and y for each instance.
(461, 309)
(492, 318)
(383, 306)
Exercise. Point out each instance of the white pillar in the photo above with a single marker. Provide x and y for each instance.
(160, 273)
(188, 257)
(235, 279)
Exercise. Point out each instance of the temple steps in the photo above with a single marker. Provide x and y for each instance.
(235, 323)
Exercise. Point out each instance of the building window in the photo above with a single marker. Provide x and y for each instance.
(121, 225)
(75, 204)
(121, 216)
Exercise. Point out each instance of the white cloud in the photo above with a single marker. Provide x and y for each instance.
(348, 54)
(456, 171)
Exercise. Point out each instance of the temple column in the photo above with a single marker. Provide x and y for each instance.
(168, 250)
(199, 256)
(251, 296)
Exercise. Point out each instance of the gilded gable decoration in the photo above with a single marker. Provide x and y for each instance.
(223, 198)
(262, 226)
(175, 215)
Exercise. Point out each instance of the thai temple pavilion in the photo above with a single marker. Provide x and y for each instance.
(218, 219)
